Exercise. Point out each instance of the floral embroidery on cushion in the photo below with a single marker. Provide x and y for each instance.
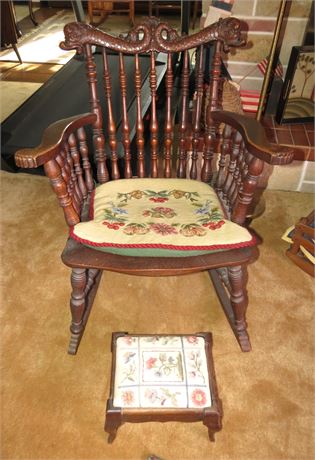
(128, 397)
(199, 397)
(129, 340)
(160, 340)
(161, 371)
(129, 367)
(158, 197)
(214, 225)
(136, 229)
(161, 396)
(168, 214)
(113, 225)
(195, 362)
(160, 211)
(164, 365)
(163, 229)
(192, 339)
(208, 218)
(192, 230)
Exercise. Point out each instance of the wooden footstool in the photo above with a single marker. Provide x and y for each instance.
(162, 378)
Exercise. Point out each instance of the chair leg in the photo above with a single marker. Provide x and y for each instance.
(84, 286)
(239, 302)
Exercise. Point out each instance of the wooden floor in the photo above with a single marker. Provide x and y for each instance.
(31, 73)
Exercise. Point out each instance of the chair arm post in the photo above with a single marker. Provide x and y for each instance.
(246, 194)
(54, 173)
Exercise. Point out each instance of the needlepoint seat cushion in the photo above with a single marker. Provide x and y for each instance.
(161, 372)
(176, 217)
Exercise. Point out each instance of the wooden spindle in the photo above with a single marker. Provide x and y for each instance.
(65, 169)
(214, 103)
(110, 121)
(168, 129)
(153, 119)
(125, 122)
(98, 136)
(75, 193)
(225, 148)
(139, 124)
(238, 174)
(77, 165)
(53, 171)
(85, 159)
(197, 112)
(236, 143)
(181, 170)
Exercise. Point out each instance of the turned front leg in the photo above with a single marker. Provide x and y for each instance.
(77, 306)
(239, 302)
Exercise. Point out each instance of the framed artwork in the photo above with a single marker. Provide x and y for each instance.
(296, 104)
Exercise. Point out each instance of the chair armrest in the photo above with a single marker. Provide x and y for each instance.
(52, 139)
(254, 137)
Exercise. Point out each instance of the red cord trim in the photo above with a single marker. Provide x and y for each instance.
(175, 247)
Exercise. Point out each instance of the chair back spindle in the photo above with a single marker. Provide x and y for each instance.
(111, 126)
(199, 75)
(183, 117)
(125, 122)
(153, 119)
(98, 136)
(139, 122)
(214, 103)
(168, 130)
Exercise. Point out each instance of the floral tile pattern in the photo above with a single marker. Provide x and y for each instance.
(161, 372)
(175, 214)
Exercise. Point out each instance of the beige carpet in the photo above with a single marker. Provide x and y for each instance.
(53, 404)
(13, 94)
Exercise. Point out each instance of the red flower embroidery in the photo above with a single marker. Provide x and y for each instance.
(150, 363)
(163, 229)
(198, 397)
(128, 340)
(128, 397)
(158, 199)
(113, 225)
(192, 339)
(214, 225)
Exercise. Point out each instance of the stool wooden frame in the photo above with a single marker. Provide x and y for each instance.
(210, 416)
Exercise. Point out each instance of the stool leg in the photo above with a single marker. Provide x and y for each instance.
(211, 434)
(113, 421)
(213, 421)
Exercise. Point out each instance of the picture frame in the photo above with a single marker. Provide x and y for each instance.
(296, 104)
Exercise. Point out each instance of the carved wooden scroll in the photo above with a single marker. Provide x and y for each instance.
(153, 36)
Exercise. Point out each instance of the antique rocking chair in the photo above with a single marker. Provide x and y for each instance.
(138, 219)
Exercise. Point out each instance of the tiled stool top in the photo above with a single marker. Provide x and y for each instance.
(161, 372)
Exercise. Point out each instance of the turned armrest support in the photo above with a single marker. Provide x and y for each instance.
(52, 140)
(254, 136)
